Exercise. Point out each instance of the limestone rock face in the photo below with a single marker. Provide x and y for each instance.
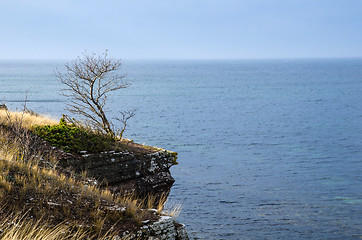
(141, 174)
(165, 228)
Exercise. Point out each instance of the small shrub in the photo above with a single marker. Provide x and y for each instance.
(74, 139)
(3, 106)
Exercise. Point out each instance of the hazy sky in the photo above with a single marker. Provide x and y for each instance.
(186, 29)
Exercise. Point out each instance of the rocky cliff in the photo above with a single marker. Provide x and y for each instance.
(140, 174)
(130, 168)
(165, 228)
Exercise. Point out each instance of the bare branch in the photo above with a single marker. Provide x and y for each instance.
(88, 81)
(125, 116)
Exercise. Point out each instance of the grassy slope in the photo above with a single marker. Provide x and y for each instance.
(27, 120)
(33, 189)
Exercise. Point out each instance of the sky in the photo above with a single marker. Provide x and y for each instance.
(181, 29)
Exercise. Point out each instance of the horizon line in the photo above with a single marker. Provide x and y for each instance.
(187, 59)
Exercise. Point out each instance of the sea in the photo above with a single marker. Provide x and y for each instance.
(268, 149)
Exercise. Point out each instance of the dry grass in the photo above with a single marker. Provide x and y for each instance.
(46, 196)
(30, 187)
(173, 209)
(17, 228)
(27, 119)
(163, 205)
(27, 185)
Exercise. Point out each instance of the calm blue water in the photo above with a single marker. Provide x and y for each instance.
(268, 149)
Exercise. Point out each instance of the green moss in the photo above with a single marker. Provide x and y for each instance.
(174, 156)
(74, 139)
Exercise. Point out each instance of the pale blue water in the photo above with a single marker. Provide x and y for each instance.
(268, 149)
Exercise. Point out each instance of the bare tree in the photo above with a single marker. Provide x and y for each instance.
(89, 80)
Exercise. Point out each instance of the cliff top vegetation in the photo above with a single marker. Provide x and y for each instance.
(35, 191)
(69, 134)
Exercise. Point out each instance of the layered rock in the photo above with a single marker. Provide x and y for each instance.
(141, 174)
(164, 229)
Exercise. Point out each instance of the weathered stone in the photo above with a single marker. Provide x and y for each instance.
(139, 174)
(125, 172)
(164, 228)
(181, 232)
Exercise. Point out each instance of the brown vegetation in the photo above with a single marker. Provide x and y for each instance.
(24, 119)
(34, 187)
